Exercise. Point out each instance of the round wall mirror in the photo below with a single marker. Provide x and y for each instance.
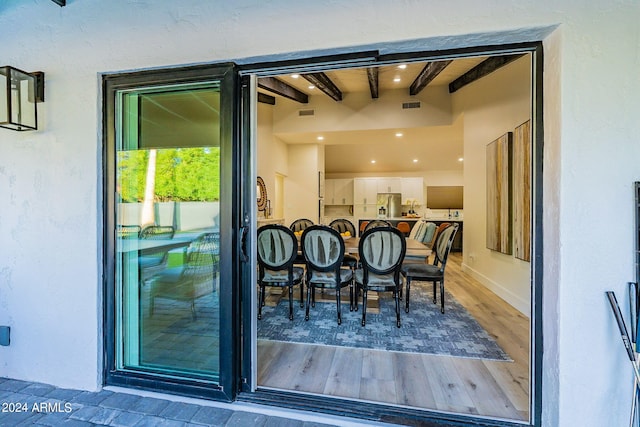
(261, 194)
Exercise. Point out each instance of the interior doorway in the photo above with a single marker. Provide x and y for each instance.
(413, 119)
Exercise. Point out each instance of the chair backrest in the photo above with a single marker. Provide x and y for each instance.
(128, 231)
(323, 248)
(377, 223)
(157, 232)
(382, 250)
(443, 245)
(437, 233)
(343, 225)
(300, 224)
(277, 247)
(404, 227)
(203, 255)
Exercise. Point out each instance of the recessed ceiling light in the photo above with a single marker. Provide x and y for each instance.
(312, 87)
(415, 160)
(295, 76)
(320, 138)
(402, 66)
(399, 134)
(397, 79)
(373, 161)
(460, 159)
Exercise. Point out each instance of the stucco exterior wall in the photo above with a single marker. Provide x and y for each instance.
(50, 180)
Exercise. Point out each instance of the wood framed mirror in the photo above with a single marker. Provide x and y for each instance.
(261, 194)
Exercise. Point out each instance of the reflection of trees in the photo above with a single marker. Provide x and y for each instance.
(182, 174)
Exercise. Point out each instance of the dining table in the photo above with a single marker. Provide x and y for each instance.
(414, 247)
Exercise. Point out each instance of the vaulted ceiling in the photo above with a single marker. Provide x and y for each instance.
(369, 150)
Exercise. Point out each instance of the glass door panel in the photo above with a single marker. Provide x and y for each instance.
(167, 220)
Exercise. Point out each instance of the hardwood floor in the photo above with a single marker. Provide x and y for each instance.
(495, 389)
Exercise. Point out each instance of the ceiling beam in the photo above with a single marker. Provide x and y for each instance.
(372, 74)
(266, 99)
(60, 2)
(484, 68)
(324, 83)
(281, 88)
(426, 76)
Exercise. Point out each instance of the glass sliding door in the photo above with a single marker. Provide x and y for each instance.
(170, 285)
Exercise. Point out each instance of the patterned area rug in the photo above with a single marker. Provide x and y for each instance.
(424, 329)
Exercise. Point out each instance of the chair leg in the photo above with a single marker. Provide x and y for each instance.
(313, 297)
(338, 302)
(301, 293)
(396, 294)
(364, 306)
(434, 293)
(442, 296)
(309, 286)
(290, 302)
(261, 303)
(406, 302)
(351, 296)
(355, 296)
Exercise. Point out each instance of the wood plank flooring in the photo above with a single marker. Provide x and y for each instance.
(495, 389)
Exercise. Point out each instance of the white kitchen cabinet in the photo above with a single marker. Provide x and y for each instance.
(365, 191)
(365, 211)
(413, 188)
(338, 192)
(389, 185)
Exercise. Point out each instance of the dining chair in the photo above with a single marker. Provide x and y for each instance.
(432, 272)
(377, 223)
(195, 278)
(151, 264)
(342, 225)
(300, 224)
(128, 231)
(404, 227)
(277, 251)
(323, 250)
(381, 251)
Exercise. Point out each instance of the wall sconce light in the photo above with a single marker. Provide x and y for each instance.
(19, 93)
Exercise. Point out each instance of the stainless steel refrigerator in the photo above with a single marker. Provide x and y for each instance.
(389, 205)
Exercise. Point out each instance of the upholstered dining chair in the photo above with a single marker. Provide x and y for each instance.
(342, 225)
(193, 280)
(381, 251)
(277, 251)
(432, 272)
(300, 224)
(323, 250)
(377, 223)
(153, 263)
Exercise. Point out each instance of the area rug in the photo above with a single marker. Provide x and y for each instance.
(424, 329)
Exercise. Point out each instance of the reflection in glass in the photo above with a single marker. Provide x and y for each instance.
(167, 230)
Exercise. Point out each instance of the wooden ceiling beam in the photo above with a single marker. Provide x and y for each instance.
(426, 76)
(281, 88)
(60, 2)
(484, 68)
(266, 99)
(324, 83)
(372, 75)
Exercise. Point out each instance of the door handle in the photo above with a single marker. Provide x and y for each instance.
(242, 243)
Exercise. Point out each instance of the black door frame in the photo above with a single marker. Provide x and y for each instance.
(382, 412)
(226, 388)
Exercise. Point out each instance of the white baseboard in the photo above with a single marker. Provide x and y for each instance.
(512, 299)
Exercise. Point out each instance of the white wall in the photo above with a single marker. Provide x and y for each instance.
(272, 154)
(491, 107)
(301, 184)
(50, 221)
